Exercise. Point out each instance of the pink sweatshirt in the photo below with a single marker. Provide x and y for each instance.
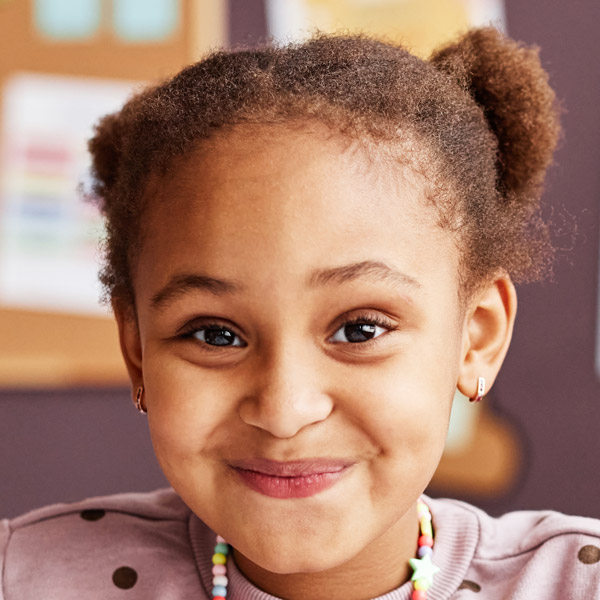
(151, 547)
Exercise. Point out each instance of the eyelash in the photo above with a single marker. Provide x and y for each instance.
(376, 320)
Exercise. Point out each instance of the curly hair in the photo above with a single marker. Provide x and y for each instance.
(480, 115)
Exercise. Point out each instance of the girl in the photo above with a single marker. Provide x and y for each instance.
(309, 249)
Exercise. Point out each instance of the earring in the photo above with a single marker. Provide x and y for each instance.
(480, 390)
(139, 395)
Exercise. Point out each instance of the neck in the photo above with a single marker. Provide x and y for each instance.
(378, 568)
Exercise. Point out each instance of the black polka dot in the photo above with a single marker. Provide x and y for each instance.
(124, 577)
(589, 555)
(92, 514)
(469, 585)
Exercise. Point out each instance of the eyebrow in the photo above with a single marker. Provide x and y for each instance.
(370, 270)
(373, 270)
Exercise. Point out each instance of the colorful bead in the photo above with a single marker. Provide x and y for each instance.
(426, 528)
(424, 569)
(426, 516)
(219, 570)
(422, 578)
(421, 584)
(222, 548)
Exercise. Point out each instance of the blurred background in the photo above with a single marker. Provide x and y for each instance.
(68, 429)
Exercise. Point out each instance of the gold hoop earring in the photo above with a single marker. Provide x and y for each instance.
(139, 395)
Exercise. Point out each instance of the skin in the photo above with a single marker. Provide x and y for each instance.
(266, 207)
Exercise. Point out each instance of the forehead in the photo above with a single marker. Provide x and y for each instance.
(245, 164)
(287, 200)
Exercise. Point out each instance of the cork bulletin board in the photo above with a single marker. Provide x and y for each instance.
(50, 335)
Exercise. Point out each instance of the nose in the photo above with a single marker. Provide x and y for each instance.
(285, 396)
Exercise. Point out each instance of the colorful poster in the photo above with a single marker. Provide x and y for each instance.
(48, 234)
(420, 25)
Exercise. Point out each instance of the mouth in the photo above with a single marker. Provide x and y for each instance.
(294, 479)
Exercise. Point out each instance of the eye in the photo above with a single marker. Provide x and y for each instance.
(214, 334)
(362, 329)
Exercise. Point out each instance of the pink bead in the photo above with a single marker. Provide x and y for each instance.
(219, 570)
(220, 540)
(425, 516)
(419, 595)
(426, 540)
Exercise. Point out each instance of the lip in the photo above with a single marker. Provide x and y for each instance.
(293, 479)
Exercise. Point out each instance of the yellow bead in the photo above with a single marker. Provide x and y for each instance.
(219, 559)
(422, 584)
(426, 527)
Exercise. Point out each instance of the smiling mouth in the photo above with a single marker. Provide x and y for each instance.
(294, 479)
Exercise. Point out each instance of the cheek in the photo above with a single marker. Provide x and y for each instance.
(401, 410)
(186, 410)
(404, 408)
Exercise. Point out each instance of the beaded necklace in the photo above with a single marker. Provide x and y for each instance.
(423, 568)
(219, 570)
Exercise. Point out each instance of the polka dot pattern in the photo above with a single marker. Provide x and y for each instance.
(124, 577)
(589, 555)
(92, 514)
(469, 585)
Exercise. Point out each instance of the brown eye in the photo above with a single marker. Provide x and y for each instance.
(360, 332)
(215, 335)
(361, 329)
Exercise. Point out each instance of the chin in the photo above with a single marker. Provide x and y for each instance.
(293, 556)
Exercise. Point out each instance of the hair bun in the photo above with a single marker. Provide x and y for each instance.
(507, 80)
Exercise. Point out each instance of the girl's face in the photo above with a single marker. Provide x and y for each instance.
(297, 302)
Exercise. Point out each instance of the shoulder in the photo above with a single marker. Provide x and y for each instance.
(525, 554)
(159, 504)
(98, 547)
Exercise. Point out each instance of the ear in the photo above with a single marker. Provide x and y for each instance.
(131, 346)
(487, 332)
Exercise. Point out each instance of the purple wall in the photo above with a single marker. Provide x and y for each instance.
(247, 21)
(548, 383)
(65, 445)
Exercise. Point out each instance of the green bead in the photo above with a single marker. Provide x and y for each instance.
(222, 548)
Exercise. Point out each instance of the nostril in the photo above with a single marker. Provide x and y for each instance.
(284, 417)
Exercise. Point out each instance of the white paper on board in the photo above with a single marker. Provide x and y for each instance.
(48, 235)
